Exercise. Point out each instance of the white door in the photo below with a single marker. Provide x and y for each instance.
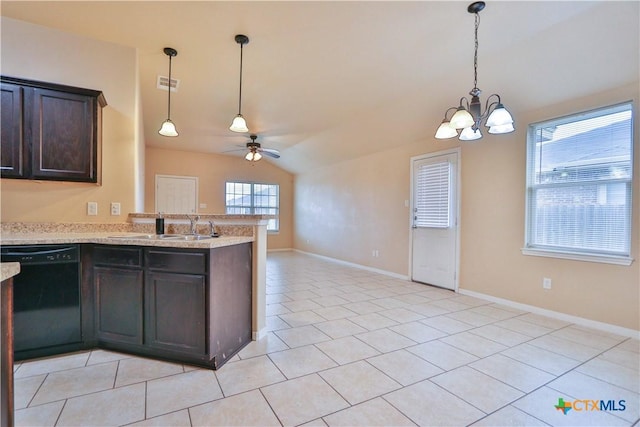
(434, 203)
(176, 194)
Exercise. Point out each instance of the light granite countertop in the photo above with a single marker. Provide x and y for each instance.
(118, 238)
(8, 270)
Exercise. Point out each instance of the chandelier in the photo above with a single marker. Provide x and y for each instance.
(469, 116)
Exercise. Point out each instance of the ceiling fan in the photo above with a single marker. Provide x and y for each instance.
(255, 150)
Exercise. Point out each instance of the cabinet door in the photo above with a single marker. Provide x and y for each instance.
(118, 304)
(12, 140)
(176, 312)
(63, 136)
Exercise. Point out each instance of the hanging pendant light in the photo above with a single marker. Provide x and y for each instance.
(168, 128)
(469, 115)
(239, 124)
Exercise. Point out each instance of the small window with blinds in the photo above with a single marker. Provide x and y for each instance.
(579, 184)
(252, 198)
(432, 195)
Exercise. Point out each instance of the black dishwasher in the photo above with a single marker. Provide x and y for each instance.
(46, 299)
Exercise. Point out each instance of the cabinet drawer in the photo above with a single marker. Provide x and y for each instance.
(176, 261)
(117, 255)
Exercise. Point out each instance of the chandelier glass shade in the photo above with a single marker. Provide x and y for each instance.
(168, 128)
(239, 124)
(469, 115)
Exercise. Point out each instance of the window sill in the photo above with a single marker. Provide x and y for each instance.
(577, 256)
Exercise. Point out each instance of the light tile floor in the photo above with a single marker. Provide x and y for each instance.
(348, 347)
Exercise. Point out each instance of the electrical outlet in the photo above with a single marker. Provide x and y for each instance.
(546, 283)
(115, 208)
(92, 208)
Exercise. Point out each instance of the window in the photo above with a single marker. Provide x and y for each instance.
(432, 195)
(579, 181)
(254, 199)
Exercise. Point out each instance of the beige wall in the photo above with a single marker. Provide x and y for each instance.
(38, 53)
(213, 170)
(349, 209)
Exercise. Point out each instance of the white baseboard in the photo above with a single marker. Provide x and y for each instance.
(606, 327)
(258, 335)
(350, 264)
(280, 250)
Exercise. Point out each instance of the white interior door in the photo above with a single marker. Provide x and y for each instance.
(176, 194)
(434, 236)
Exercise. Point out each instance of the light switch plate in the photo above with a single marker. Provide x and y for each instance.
(115, 208)
(92, 208)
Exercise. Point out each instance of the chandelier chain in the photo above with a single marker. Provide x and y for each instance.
(475, 56)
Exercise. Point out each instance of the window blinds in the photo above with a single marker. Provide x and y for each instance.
(580, 182)
(433, 195)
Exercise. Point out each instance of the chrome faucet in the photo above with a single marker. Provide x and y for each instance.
(194, 222)
(212, 228)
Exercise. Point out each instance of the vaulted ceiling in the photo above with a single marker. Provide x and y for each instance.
(328, 81)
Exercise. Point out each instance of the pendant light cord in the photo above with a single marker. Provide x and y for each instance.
(169, 89)
(240, 95)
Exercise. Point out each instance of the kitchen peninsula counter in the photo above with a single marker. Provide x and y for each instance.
(118, 238)
(8, 270)
(137, 234)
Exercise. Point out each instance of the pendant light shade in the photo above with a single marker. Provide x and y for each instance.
(239, 124)
(168, 128)
(469, 114)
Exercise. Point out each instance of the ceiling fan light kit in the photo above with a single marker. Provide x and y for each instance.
(256, 151)
(468, 115)
(168, 128)
(239, 124)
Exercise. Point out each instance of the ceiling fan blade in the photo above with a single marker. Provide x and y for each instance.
(270, 152)
(235, 150)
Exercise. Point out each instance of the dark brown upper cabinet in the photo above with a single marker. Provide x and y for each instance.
(50, 131)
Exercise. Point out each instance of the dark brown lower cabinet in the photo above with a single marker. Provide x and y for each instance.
(230, 293)
(176, 312)
(185, 305)
(118, 294)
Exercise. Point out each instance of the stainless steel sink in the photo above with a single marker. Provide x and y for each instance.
(148, 237)
(197, 236)
(170, 236)
(134, 237)
(164, 237)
